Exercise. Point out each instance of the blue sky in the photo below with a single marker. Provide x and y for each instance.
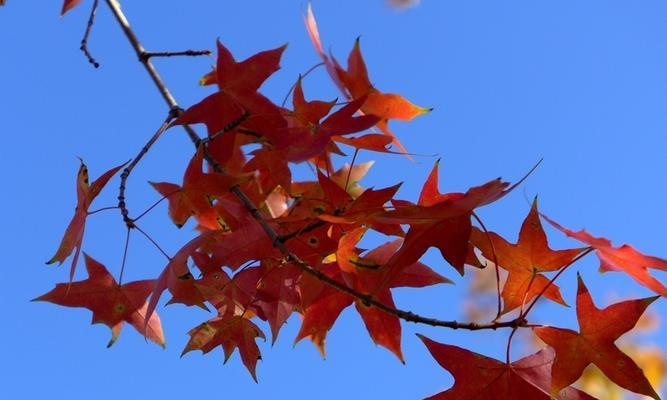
(581, 84)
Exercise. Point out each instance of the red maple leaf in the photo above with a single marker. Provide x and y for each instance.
(594, 344)
(354, 83)
(308, 137)
(624, 258)
(440, 220)
(237, 100)
(85, 195)
(198, 190)
(525, 261)
(322, 304)
(229, 332)
(480, 377)
(111, 303)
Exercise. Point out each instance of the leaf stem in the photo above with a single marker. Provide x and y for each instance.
(495, 264)
(559, 273)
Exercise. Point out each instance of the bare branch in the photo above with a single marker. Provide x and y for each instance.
(86, 35)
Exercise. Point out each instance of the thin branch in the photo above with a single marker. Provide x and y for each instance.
(86, 35)
(150, 239)
(186, 53)
(152, 206)
(229, 127)
(128, 170)
(301, 76)
(102, 209)
(559, 273)
(148, 65)
(349, 173)
(122, 265)
(310, 227)
(521, 314)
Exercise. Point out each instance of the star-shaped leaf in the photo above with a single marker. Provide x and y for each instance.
(229, 332)
(111, 303)
(525, 261)
(477, 377)
(594, 344)
(624, 258)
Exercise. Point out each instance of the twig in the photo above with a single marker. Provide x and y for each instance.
(229, 127)
(187, 53)
(152, 206)
(559, 273)
(150, 239)
(301, 76)
(102, 209)
(128, 170)
(122, 264)
(84, 41)
(310, 227)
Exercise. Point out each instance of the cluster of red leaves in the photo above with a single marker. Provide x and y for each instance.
(234, 268)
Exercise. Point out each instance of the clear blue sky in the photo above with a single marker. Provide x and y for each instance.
(582, 84)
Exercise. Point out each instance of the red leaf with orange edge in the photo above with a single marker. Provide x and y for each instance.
(624, 258)
(354, 82)
(111, 303)
(594, 344)
(480, 377)
(85, 194)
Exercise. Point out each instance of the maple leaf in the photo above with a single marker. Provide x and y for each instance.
(237, 96)
(354, 82)
(322, 304)
(624, 258)
(68, 5)
(594, 344)
(524, 261)
(229, 332)
(111, 303)
(85, 194)
(277, 293)
(198, 190)
(480, 377)
(307, 141)
(177, 278)
(440, 220)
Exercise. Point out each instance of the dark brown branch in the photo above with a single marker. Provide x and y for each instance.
(148, 65)
(86, 35)
(310, 227)
(271, 233)
(186, 53)
(229, 127)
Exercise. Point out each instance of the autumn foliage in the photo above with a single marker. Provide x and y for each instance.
(269, 246)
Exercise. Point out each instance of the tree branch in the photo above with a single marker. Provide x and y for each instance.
(277, 240)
